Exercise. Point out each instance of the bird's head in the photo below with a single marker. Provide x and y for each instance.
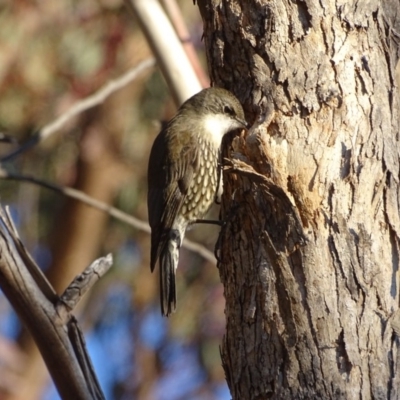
(217, 110)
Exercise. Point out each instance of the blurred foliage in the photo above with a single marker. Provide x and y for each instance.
(52, 54)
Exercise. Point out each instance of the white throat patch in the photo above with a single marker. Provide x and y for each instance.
(216, 125)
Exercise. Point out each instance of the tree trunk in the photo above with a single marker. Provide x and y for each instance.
(309, 255)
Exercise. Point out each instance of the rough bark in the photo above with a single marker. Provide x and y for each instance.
(309, 255)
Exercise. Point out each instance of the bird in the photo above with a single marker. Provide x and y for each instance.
(183, 177)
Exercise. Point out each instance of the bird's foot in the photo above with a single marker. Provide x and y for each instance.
(209, 221)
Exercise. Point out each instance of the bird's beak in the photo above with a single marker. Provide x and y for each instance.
(243, 122)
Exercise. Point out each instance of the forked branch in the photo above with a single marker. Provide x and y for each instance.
(47, 317)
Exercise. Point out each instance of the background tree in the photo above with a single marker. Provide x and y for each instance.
(309, 255)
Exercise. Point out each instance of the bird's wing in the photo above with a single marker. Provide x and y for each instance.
(168, 184)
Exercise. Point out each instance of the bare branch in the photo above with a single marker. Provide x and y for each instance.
(81, 106)
(114, 212)
(83, 282)
(180, 27)
(54, 336)
(200, 250)
(34, 270)
(173, 61)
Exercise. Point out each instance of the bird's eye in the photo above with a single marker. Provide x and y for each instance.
(229, 110)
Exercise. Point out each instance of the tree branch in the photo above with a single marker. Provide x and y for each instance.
(178, 22)
(89, 102)
(82, 283)
(172, 59)
(114, 212)
(57, 335)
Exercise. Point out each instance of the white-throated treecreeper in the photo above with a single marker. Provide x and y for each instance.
(182, 176)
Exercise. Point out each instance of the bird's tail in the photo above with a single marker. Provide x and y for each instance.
(169, 257)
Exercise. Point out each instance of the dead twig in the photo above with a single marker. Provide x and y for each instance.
(81, 106)
(56, 334)
(99, 205)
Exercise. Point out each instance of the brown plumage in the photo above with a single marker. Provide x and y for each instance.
(182, 177)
